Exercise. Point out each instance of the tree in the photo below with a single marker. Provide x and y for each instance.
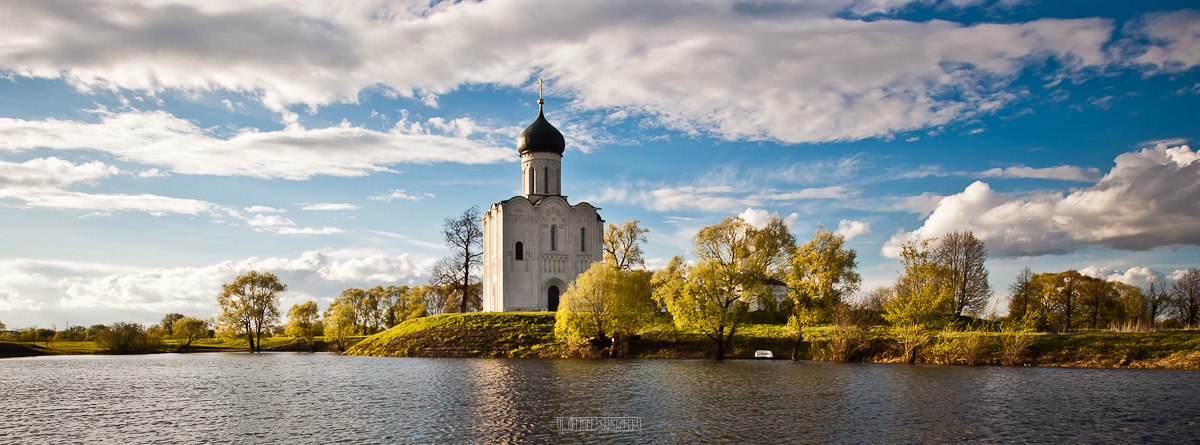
(1062, 297)
(822, 272)
(399, 303)
(1185, 293)
(1020, 294)
(187, 330)
(2, 326)
(168, 322)
(734, 262)
(339, 323)
(250, 305)
(606, 302)
(920, 299)
(303, 323)
(963, 256)
(124, 338)
(362, 306)
(622, 245)
(1156, 299)
(464, 237)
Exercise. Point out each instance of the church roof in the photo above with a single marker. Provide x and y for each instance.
(541, 137)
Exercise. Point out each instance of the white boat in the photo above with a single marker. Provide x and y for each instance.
(763, 353)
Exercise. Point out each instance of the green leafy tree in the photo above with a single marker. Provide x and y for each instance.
(920, 300)
(401, 303)
(303, 323)
(822, 272)
(250, 305)
(187, 330)
(622, 245)
(168, 322)
(125, 338)
(1022, 295)
(339, 323)
(734, 263)
(606, 302)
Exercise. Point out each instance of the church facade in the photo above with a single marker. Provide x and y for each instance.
(536, 243)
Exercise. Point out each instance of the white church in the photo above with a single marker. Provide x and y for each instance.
(536, 243)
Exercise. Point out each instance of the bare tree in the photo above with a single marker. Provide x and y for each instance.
(464, 237)
(1185, 293)
(1156, 299)
(963, 255)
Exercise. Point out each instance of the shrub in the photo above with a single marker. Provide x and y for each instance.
(850, 338)
(968, 347)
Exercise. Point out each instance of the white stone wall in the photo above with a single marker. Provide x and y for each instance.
(513, 285)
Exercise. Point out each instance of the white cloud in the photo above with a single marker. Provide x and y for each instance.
(708, 198)
(330, 206)
(1062, 172)
(1168, 41)
(284, 226)
(77, 290)
(401, 195)
(1147, 200)
(851, 229)
(163, 140)
(42, 182)
(1134, 276)
(263, 209)
(760, 217)
(818, 75)
(152, 173)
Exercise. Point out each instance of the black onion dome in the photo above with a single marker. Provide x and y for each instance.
(541, 137)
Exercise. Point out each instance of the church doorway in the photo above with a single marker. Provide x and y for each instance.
(552, 298)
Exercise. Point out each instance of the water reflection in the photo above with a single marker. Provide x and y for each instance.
(319, 398)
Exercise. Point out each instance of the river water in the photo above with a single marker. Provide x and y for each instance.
(324, 398)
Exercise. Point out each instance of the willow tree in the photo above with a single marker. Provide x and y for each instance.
(250, 305)
(822, 272)
(605, 304)
(339, 323)
(187, 330)
(734, 262)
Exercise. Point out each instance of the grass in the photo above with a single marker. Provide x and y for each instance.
(270, 344)
(506, 334)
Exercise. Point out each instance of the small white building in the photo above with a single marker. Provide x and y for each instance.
(536, 243)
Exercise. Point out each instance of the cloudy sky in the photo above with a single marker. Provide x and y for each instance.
(152, 150)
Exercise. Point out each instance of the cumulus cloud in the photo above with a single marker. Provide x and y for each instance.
(836, 78)
(760, 217)
(1137, 276)
(62, 288)
(851, 229)
(1147, 200)
(161, 139)
(1062, 172)
(327, 206)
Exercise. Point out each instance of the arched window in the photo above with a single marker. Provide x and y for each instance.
(520, 251)
(553, 237)
(583, 239)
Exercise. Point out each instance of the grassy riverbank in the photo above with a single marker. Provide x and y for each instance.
(271, 344)
(531, 334)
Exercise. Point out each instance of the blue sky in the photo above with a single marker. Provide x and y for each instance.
(151, 151)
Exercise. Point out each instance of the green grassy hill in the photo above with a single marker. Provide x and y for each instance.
(507, 334)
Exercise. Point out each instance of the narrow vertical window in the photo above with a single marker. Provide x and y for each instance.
(546, 180)
(583, 239)
(520, 251)
(553, 237)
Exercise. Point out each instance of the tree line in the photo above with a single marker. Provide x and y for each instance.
(740, 272)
